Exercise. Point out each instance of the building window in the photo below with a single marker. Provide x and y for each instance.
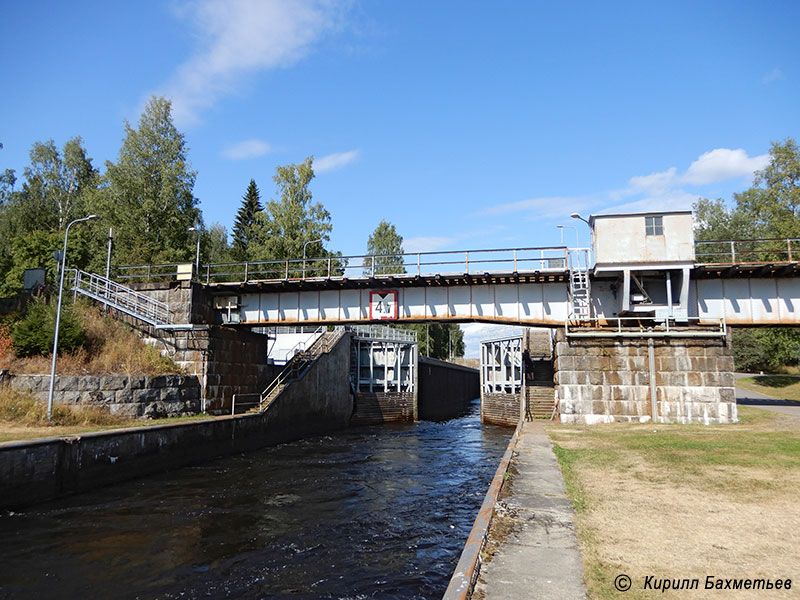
(654, 225)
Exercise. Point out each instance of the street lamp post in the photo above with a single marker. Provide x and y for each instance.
(58, 315)
(578, 216)
(304, 253)
(575, 229)
(197, 253)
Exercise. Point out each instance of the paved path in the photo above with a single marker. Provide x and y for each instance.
(748, 398)
(540, 559)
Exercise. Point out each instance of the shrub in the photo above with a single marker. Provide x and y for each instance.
(6, 346)
(34, 334)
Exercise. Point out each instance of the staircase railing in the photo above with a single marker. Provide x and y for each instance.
(298, 364)
(121, 298)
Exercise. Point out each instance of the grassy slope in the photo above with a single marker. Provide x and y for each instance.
(784, 387)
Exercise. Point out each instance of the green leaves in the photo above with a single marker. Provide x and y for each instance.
(149, 195)
(245, 219)
(34, 334)
(283, 228)
(387, 246)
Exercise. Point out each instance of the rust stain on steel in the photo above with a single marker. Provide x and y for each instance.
(546, 322)
(466, 572)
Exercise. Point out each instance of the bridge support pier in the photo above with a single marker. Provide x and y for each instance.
(604, 380)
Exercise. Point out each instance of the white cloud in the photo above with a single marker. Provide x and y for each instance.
(246, 149)
(722, 164)
(427, 244)
(238, 38)
(654, 181)
(335, 161)
(714, 166)
(774, 75)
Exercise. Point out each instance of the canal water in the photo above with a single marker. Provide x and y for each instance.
(368, 512)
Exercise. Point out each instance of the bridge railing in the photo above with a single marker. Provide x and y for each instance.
(731, 252)
(642, 327)
(416, 263)
(137, 273)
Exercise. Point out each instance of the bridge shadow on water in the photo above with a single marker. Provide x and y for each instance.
(377, 511)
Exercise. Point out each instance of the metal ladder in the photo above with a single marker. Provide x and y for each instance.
(124, 299)
(579, 286)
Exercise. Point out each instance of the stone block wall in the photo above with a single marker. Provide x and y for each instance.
(123, 395)
(226, 360)
(188, 301)
(603, 380)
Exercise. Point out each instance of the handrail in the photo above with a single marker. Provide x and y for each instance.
(552, 258)
(739, 251)
(296, 348)
(605, 327)
(383, 332)
(111, 293)
(300, 362)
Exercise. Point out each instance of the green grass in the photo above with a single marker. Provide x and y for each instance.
(783, 387)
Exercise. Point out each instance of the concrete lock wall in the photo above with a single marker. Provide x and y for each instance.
(321, 400)
(445, 389)
(123, 395)
(34, 471)
(500, 409)
(603, 380)
(373, 408)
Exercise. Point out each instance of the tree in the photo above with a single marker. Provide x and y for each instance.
(214, 244)
(7, 180)
(773, 202)
(149, 198)
(439, 340)
(386, 245)
(59, 181)
(768, 209)
(245, 218)
(56, 189)
(282, 230)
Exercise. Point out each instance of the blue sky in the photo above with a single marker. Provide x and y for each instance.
(466, 124)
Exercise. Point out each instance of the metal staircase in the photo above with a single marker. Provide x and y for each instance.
(579, 286)
(124, 299)
(297, 367)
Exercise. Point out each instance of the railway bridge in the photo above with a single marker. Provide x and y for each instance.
(641, 317)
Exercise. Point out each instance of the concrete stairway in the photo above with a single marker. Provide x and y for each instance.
(298, 366)
(540, 390)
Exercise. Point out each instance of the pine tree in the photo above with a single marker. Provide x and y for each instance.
(242, 227)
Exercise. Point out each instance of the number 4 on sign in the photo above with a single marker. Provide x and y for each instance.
(383, 305)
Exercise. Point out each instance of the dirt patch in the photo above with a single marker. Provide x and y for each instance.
(687, 502)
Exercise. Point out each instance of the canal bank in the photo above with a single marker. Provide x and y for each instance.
(374, 511)
(522, 544)
(320, 399)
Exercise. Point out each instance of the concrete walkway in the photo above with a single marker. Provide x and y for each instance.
(540, 558)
